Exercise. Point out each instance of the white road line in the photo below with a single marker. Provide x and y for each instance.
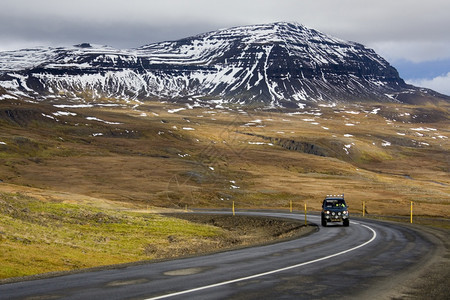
(374, 235)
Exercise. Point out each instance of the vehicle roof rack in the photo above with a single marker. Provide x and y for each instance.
(336, 196)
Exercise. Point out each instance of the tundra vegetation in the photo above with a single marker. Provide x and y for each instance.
(85, 186)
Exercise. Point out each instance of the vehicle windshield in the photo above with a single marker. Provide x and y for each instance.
(334, 203)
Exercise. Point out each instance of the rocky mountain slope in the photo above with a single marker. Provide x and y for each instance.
(276, 65)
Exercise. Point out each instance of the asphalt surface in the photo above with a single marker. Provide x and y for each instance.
(368, 258)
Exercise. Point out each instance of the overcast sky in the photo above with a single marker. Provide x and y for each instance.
(413, 35)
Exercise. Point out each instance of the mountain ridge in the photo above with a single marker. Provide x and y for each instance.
(274, 65)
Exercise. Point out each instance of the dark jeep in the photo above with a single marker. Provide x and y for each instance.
(334, 209)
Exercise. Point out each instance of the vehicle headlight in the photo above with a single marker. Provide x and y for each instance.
(333, 213)
(345, 212)
(339, 213)
(327, 212)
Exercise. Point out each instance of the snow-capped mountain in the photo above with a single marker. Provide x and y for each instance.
(279, 64)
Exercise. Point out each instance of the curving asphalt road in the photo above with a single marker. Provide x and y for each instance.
(369, 258)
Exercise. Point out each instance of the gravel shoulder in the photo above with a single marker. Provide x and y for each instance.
(427, 278)
(430, 280)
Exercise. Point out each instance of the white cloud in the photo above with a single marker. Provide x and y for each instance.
(440, 84)
(415, 51)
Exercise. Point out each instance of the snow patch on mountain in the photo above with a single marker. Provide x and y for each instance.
(277, 65)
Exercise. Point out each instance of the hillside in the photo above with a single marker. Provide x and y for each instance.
(167, 155)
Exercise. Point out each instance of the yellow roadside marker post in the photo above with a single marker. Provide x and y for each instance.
(290, 206)
(233, 208)
(364, 208)
(306, 221)
(411, 212)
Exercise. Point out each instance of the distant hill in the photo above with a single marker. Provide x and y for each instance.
(270, 65)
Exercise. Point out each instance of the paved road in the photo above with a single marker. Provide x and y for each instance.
(361, 260)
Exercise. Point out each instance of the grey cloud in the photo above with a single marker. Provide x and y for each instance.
(388, 26)
(119, 34)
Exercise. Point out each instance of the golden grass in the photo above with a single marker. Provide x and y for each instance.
(155, 159)
(39, 236)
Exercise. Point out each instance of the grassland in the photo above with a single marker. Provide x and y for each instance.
(39, 236)
(158, 155)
